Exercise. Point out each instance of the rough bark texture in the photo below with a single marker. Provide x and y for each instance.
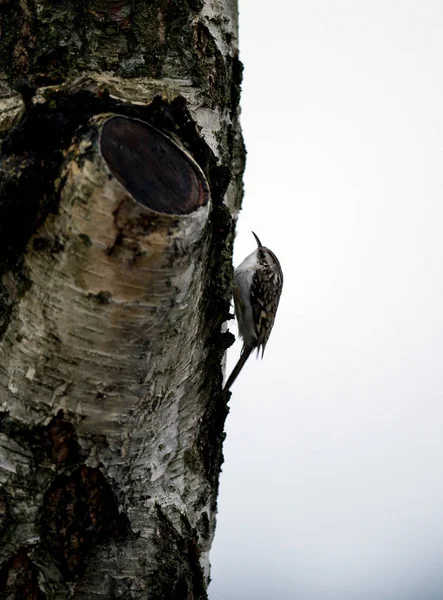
(120, 174)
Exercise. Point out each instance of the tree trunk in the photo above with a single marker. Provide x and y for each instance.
(120, 175)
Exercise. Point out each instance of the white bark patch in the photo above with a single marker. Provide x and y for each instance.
(31, 373)
(11, 108)
(13, 457)
(221, 17)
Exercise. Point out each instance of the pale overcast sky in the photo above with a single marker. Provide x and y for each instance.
(332, 486)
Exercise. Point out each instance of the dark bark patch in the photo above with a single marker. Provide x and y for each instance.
(211, 429)
(63, 38)
(126, 249)
(80, 511)
(111, 11)
(6, 306)
(12, 428)
(212, 71)
(20, 185)
(12, 288)
(217, 297)
(236, 81)
(85, 239)
(204, 526)
(19, 578)
(152, 168)
(216, 307)
(61, 46)
(180, 575)
(101, 297)
(3, 509)
(57, 441)
(54, 246)
(227, 339)
(17, 35)
(162, 35)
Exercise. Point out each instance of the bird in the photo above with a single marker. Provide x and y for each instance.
(258, 282)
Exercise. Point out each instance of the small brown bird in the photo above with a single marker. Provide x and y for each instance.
(258, 283)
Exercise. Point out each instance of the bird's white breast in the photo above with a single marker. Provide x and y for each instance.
(248, 265)
(242, 280)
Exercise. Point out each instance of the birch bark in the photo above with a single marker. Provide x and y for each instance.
(120, 177)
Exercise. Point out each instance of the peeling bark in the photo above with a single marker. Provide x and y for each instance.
(120, 175)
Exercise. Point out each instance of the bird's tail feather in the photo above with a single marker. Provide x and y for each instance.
(246, 352)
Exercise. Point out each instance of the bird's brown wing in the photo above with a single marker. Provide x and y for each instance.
(263, 317)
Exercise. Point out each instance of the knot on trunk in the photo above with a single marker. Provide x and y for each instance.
(157, 172)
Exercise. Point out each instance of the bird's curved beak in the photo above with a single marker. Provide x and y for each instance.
(257, 240)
